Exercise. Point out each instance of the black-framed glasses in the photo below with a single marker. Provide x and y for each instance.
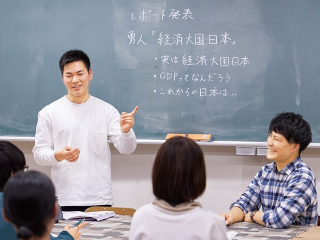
(26, 168)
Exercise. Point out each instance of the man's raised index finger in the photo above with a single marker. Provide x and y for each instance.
(134, 110)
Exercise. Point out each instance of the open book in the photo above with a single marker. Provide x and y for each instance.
(88, 216)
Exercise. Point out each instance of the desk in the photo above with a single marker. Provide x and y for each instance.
(253, 231)
(118, 227)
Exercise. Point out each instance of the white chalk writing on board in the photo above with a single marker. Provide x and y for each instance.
(150, 15)
(191, 60)
(198, 39)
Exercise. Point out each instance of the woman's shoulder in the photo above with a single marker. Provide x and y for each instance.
(144, 208)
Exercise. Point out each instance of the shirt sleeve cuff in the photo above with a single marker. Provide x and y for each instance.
(127, 135)
(52, 158)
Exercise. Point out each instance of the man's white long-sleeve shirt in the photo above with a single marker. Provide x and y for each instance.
(86, 126)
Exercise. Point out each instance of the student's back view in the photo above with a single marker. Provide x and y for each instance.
(29, 204)
(178, 178)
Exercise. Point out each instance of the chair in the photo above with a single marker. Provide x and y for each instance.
(116, 210)
(319, 220)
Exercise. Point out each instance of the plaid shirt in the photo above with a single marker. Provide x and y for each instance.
(286, 197)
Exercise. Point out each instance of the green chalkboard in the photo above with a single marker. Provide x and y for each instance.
(224, 67)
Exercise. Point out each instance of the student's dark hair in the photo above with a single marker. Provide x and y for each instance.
(179, 171)
(293, 127)
(28, 202)
(11, 160)
(74, 56)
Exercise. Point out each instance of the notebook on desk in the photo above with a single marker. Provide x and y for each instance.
(88, 216)
(231, 234)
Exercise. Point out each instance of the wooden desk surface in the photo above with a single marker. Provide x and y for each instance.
(253, 231)
(312, 234)
(118, 227)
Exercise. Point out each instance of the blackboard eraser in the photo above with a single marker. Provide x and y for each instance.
(195, 137)
(170, 135)
(245, 151)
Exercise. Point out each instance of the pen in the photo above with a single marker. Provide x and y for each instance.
(78, 223)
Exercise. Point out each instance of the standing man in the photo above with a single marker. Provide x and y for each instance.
(72, 137)
(285, 189)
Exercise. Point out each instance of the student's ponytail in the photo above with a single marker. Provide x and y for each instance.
(24, 233)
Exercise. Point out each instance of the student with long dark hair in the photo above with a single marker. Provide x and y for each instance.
(29, 203)
(178, 178)
(12, 160)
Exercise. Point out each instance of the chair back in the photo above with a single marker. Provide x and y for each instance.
(116, 210)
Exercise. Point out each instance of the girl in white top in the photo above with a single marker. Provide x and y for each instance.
(178, 178)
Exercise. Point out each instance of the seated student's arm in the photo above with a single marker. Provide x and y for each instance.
(70, 233)
(257, 217)
(299, 194)
(233, 216)
(249, 201)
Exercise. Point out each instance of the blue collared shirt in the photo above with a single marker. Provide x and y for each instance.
(287, 197)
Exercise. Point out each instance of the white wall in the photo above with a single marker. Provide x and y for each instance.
(227, 174)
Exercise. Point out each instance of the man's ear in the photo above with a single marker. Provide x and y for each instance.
(296, 147)
(4, 216)
(90, 74)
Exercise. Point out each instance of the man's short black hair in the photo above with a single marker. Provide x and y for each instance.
(74, 56)
(293, 127)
